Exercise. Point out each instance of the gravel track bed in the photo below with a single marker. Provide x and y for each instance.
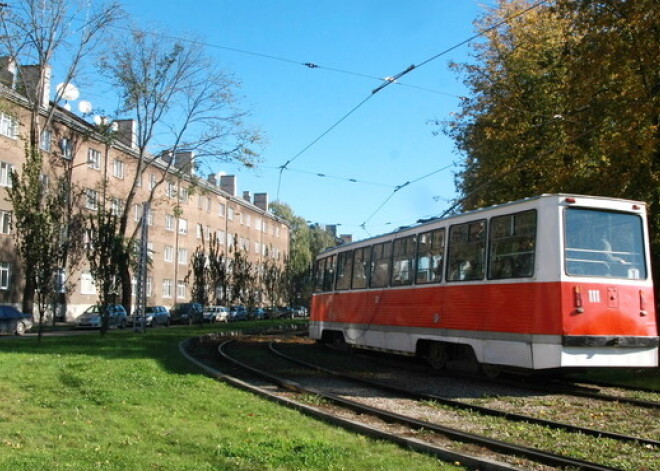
(563, 408)
(585, 412)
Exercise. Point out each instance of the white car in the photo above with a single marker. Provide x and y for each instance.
(216, 314)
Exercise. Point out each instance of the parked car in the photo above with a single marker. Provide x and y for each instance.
(187, 313)
(237, 313)
(91, 318)
(13, 321)
(216, 314)
(300, 311)
(257, 314)
(286, 312)
(154, 315)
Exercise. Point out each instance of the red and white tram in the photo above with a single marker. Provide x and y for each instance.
(552, 281)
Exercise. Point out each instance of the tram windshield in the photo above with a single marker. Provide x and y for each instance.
(604, 244)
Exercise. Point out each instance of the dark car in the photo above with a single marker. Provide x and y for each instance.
(187, 313)
(238, 313)
(257, 314)
(153, 316)
(91, 318)
(13, 321)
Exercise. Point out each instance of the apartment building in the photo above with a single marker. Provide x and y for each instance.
(185, 209)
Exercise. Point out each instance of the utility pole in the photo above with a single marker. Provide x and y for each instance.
(140, 323)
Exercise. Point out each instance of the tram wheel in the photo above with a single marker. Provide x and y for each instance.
(437, 355)
(491, 371)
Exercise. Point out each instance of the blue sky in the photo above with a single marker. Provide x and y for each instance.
(385, 143)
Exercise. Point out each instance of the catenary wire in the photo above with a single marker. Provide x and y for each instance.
(390, 80)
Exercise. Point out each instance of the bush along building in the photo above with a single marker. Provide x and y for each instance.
(205, 241)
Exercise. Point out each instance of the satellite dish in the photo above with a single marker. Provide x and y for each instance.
(97, 120)
(68, 92)
(85, 107)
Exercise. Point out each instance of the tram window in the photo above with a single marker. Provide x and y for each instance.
(361, 267)
(381, 257)
(329, 273)
(467, 251)
(604, 243)
(344, 270)
(430, 256)
(512, 246)
(403, 258)
(319, 270)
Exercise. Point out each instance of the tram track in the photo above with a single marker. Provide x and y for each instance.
(471, 407)
(586, 390)
(291, 382)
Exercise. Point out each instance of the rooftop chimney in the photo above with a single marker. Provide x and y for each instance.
(261, 201)
(247, 196)
(228, 184)
(127, 132)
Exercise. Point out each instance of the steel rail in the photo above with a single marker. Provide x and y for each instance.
(540, 456)
(575, 390)
(471, 407)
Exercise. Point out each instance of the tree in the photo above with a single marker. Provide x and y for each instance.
(217, 269)
(563, 99)
(33, 34)
(174, 88)
(306, 243)
(39, 221)
(242, 278)
(106, 252)
(200, 276)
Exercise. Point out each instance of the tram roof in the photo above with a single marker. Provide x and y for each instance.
(428, 222)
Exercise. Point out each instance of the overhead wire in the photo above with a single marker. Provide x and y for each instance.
(393, 79)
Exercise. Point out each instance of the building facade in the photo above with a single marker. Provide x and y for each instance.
(185, 209)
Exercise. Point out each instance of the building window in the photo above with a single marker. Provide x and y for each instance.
(181, 290)
(169, 253)
(92, 199)
(183, 256)
(230, 213)
(94, 159)
(209, 204)
(5, 174)
(169, 222)
(184, 194)
(167, 288)
(221, 237)
(149, 284)
(66, 145)
(183, 226)
(87, 284)
(118, 168)
(221, 209)
(8, 125)
(5, 222)
(5, 271)
(153, 181)
(115, 206)
(171, 190)
(200, 231)
(45, 142)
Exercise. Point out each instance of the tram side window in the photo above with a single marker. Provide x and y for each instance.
(344, 270)
(329, 273)
(403, 258)
(430, 253)
(604, 243)
(381, 257)
(361, 267)
(319, 271)
(512, 246)
(467, 251)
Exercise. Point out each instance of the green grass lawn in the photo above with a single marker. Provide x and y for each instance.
(131, 402)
